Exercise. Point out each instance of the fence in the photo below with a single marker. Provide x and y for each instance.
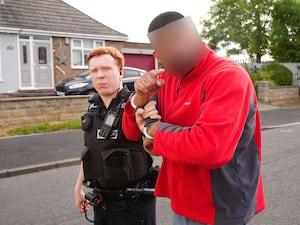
(293, 67)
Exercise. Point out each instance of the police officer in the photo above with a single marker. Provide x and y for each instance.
(112, 166)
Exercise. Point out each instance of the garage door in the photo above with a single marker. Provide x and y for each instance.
(146, 62)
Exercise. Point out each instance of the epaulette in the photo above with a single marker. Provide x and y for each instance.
(93, 98)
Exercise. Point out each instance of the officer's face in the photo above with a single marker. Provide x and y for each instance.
(105, 75)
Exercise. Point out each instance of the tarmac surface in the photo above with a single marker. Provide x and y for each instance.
(33, 153)
(46, 197)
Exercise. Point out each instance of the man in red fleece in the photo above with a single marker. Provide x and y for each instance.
(209, 132)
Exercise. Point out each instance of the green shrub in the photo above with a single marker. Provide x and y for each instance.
(258, 76)
(277, 74)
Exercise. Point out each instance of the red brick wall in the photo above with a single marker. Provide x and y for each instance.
(59, 47)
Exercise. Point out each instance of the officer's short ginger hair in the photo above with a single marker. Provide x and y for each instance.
(114, 52)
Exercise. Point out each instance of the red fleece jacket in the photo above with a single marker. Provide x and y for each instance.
(210, 141)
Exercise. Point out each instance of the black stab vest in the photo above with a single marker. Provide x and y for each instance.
(114, 162)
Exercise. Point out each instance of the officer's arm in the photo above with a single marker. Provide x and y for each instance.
(80, 179)
(129, 126)
(78, 191)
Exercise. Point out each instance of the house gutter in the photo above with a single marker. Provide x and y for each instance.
(19, 31)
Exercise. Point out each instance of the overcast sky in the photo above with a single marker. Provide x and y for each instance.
(132, 17)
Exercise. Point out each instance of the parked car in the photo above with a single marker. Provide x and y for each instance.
(82, 83)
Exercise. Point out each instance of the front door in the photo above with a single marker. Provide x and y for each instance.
(36, 62)
(41, 65)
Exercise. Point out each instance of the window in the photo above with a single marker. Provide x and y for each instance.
(80, 51)
(25, 57)
(42, 53)
(24, 37)
(129, 73)
(1, 78)
(41, 38)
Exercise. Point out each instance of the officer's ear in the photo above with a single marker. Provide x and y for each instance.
(121, 74)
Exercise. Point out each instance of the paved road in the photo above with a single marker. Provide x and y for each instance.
(40, 148)
(44, 151)
(279, 116)
(47, 197)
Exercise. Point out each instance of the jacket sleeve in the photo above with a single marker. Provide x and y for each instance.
(129, 126)
(212, 139)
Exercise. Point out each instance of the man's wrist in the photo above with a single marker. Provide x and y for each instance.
(146, 134)
(152, 128)
(136, 102)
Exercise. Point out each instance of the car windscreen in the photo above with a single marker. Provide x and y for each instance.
(128, 73)
(84, 75)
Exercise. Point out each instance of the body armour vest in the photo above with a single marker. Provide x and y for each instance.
(109, 159)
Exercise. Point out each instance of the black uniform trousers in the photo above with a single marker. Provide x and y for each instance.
(126, 212)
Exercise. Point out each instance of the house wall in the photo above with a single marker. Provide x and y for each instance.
(62, 71)
(9, 75)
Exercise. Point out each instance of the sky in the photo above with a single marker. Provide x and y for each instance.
(132, 17)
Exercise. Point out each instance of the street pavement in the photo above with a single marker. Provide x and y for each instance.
(30, 153)
(46, 197)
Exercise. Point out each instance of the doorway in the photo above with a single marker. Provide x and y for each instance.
(35, 62)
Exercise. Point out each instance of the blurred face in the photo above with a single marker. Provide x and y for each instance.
(177, 46)
(105, 75)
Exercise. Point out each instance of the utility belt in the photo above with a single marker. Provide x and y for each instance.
(134, 194)
(99, 197)
(142, 190)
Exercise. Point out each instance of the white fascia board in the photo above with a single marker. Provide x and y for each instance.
(138, 51)
(61, 34)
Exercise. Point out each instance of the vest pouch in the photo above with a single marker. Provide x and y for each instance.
(123, 167)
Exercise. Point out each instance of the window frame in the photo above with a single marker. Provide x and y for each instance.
(82, 49)
(1, 73)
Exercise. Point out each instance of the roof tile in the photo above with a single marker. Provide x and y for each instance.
(51, 15)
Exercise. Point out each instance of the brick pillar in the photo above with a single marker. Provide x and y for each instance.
(263, 91)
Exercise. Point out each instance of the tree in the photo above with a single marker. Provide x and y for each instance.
(244, 23)
(285, 31)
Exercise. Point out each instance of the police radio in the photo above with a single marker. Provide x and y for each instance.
(110, 121)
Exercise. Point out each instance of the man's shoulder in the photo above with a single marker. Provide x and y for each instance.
(220, 65)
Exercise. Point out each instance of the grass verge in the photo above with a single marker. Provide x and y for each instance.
(45, 127)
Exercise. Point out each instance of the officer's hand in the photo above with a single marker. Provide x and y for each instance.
(149, 111)
(147, 85)
(140, 119)
(80, 202)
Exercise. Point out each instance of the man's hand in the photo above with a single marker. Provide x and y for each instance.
(151, 112)
(146, 86)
